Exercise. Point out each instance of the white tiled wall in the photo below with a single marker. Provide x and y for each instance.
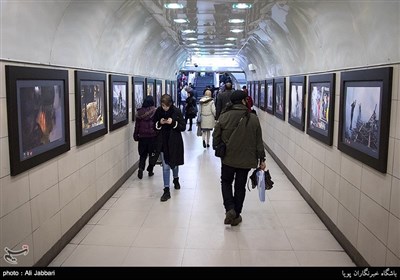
(40, 205)
(362, 202)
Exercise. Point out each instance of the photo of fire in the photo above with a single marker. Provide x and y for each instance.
(92, 104)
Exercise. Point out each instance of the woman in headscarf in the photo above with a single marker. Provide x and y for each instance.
(146, 135)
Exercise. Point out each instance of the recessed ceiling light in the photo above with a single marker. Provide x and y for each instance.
(230, 39)
(190, 39)
(188, 31)
(180, 20)
(193, 44)
(229, 44)
(241, 6)
(236, 20)
(237, 30)
(173, 6)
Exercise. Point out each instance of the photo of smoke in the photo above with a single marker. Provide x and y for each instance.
(92, 105)
(270, 96)
(256, 93)
(262, 95)
(279, 99)
(158, 94)
(41, 116)
(138, 95)
(168, 88)
(319, 110)
(119, 102)
(296, 102)
(362, 116)
(150, 88)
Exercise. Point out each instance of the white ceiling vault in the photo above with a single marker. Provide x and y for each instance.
(141, 37)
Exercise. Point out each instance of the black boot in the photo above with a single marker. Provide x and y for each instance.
(140, 174)
(177, 186)
(166, 195)
(204, 144)
(150, 170)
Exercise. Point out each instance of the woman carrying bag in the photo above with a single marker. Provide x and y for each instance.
(207, 117)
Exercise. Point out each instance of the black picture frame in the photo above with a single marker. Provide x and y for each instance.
(297, 95)
(364, 118)
(269, 95)
(138, 94)
(158, 93)
(262, 95)
(38, 115)
(118, 108)
(321, 107)
(256, 93)
(280, 98)
(90, 106)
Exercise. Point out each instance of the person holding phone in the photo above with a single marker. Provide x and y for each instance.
(169, 122)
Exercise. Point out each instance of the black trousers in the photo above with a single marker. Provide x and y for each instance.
(147, 148)
(233, 200)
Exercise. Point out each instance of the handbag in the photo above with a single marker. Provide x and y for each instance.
(220, 150)
(198, 119)
(199, 132)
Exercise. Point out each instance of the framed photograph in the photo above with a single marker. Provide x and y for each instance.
(256, 93)
(321, 107)
(270, 96)
(280, 98)
(38, 115)
(174, 92)
(138, 94)
(90, 106)
(150, 87)
(118, 100)
(168, 87)
(159, 93)
(365, 101)
(262, 95)
(297, 94)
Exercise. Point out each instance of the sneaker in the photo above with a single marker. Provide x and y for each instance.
(204, 144)
(230, 216)
(166, 195)
(140, 174)
(177, 186)
(236, 221)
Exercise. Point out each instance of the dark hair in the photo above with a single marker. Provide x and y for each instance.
(244, 87)
(228, 86)
(148, 101)
(166, 100)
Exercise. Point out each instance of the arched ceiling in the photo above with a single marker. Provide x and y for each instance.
(141, 37)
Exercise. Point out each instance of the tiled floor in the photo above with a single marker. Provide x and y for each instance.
(135, 229)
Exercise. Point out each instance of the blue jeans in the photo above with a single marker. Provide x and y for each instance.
(166, 172)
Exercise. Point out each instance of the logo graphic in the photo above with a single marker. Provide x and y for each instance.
(9, 255)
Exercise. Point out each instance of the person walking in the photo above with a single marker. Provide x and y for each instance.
(191, 109)
(223, 99)
(240, 130)
(145, 134)
(169, 123)
(207, 115)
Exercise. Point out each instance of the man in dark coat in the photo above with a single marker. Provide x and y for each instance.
(240, 130)
(169, 123)
(223, 99)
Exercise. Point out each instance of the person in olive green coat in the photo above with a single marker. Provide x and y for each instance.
(240, 130)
